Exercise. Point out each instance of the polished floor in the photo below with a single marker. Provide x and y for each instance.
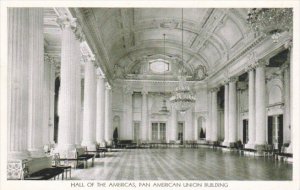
(183, 164)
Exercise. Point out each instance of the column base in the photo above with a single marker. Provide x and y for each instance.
(89, 145)
(250, 146)
(65, 150)
(108, 143)
(232, 144)
(260, 148)
(290, 149)
(37, 153)
(225, 143)
(19, 155)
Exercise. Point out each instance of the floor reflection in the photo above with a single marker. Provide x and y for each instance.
(183, 164)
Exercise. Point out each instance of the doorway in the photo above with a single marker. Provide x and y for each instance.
(275, 131)
(136, 131)
(180, 133)
(245, 131)
(159, 131)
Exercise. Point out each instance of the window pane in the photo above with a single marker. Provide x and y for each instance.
(162, 131)
(154, 131)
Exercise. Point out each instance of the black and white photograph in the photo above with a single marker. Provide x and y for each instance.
(148, 95)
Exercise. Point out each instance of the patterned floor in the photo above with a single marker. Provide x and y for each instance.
(183, 164)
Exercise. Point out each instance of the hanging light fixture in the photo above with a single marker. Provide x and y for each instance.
(271, 21)
(164, 109)
(183, 99)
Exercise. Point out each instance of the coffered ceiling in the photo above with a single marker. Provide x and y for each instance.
(122, 38)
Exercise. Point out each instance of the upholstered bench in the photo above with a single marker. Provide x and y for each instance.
(46, 174)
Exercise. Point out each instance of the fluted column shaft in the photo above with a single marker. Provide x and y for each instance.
(46, 100)
(100, 121)
(108, 115)
(49, 92)
(214, 115)
(17, 77)
(232, 111)
(173, 126)
(226, 114)
(70, 55)
(144, 116)
(260, 102)
(51, 103)
(78, 106)
(128, 130)
(89, 109)
(286, 119)
(251, 112)
(288, 100)
(189, 129)
(36, 78)
(209, 123)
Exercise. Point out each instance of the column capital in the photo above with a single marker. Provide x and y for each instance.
(49, 59)
(225, 81)
(261, 63)
(144, 92)
(127, 90)
(99, 73)
(214, 89)
(66, 22)
(250, 68)
(88, 58)
(233, 79)
(285, 66)
(107, 86)
(288, 44)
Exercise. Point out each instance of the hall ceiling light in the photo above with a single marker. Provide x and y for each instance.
(183, 99)
(271, 21)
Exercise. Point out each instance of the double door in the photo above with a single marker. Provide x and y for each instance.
(159, 131)
(275, 131)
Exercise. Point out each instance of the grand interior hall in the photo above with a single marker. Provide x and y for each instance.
(149, 93)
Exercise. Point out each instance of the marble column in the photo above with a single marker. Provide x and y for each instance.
(144, 123)
(260, 106)
(17, 86)
(173, 126)
(251, 109)
(52, 101)
(209, 123)
(36, 78)
(78, 106)
(288, 101)
(189, 129)
(286, 116)
(127, 117)
(226, 114)
(89, 105)
(232, 111)
(214, 115)
(100, 121)
(46, 99)
(108, 115)
(70, 52)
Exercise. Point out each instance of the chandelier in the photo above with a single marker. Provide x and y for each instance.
(183, 99)
(164, 109)
(271, 21)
